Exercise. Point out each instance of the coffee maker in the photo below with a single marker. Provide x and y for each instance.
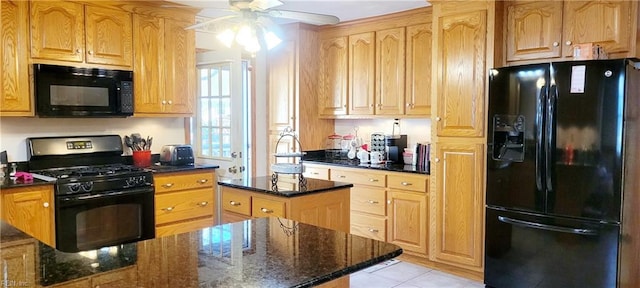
(394, 147)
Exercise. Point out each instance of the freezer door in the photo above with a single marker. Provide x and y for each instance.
(514, 161)
(585, 139)
(525, 250)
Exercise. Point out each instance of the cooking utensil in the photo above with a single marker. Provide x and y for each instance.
(128, 141)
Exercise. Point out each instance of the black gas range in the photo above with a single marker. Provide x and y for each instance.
(99, 201)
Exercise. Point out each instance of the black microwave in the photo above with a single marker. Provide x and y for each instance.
(63, 91)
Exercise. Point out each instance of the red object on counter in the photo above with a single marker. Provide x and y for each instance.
(365, 147)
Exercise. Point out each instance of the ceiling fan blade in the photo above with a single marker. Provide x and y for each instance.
(306, 17)
(261, 5)
(205, 23)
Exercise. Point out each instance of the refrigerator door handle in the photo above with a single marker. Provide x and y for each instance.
(539, 132)
(550, 123)
(541, 226)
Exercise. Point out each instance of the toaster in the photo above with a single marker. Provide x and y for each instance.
(176, 155)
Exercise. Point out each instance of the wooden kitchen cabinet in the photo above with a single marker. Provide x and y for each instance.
(17, 263)
(15, 99)
(390, 69)
(418, 70)
(327, 209)
(184, 201)
(550, 29)
(458, 204)
(333, 76)
(408, 220)
(164, 67)
(362, 73)
(72, 32)
(292, 79)
(31, 209)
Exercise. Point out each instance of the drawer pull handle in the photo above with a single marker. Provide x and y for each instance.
(372, 202)
(373, 180)
(406, 184)
(234, 203)
(168, 185)
(342, 176)
(168, 209)
(373, 230)
(315, 173)
(202, 181)
(265, 210)
(203, 203)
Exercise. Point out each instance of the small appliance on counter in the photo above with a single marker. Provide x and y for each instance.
(176, 155)
(394, 146)
(377, 143)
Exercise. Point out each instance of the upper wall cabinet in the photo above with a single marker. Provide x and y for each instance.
(67, 31)
(550, 29)
(15, 99)
(377, 68)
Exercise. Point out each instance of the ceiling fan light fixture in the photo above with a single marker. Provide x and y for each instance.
(271, 39)
(226, 37)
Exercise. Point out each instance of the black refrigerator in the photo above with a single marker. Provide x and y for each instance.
(555, 165)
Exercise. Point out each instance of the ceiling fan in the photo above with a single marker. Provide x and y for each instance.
(261, 11)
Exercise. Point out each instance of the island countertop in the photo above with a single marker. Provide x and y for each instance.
(285, 188)
(262, 252)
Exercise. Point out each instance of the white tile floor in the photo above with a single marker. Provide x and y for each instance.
(399, 274)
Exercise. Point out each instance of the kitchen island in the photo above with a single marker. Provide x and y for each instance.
(312, 201)
(263, 252)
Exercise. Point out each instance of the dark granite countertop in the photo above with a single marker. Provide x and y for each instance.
(264, 252)
(290, 188)
(8, 183)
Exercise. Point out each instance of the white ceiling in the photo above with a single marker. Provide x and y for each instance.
(345, 10)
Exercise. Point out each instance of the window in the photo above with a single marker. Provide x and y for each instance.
(214, 111)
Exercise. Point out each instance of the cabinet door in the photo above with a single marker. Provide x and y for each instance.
(281, 90)
(408, 220)
(18, 266)
(361, 74)
(30, 209)
(122, 278)
(461, 68)
(57, 30)
(108, 36)
(15, 98)
(148, 69)
(333, 77)
(390, 63)
(418, 65)
(606, 23)
(534, 30)
(458, 204)
(180, 63)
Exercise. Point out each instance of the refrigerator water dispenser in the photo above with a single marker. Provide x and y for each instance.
(508, 138)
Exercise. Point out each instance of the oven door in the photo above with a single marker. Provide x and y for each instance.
(87, 222)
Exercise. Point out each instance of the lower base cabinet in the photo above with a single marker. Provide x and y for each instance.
(121, 278)
(18, 265)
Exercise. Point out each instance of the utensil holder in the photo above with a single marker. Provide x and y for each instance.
(142, 158)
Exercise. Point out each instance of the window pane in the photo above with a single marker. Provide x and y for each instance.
(226, 142)
(204, 112)
(206, 142)
(215, 82)
(226, 112)
(204, 82)
(225, 81)
(215, 112)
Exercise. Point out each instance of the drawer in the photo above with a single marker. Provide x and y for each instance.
(236, 201)
(373, 227)
(316, 172)
(369, 200)
(182, 181)
(362, 176)
(184, 205)
(408, 181)
(262, 207)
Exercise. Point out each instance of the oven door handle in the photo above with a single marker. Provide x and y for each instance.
(106, 195)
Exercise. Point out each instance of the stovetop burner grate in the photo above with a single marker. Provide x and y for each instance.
(86, 171)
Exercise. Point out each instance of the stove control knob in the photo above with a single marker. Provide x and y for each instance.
(74, 187)
(131, 182)
(141, 180)
(87, 186)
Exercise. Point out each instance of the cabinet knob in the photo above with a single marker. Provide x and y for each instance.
(408, 105)
(437, 160)
(371, 105)
(164, 102)
(203, 203)
(78, 51)
(372, 202)
(344, 106)
(373, 230)
(168, 209)
(342, 176)
(556, 44)
(170, 102)
(568, 43)
(265, 210)
(234, 203)
(315, 173)
(90, 52)
(406, 184)
(373, 180)
(438, 119)
(168, 185)
(202, 181)
(45, 204)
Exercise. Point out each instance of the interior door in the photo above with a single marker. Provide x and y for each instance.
(586, 147)
(514, 163)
